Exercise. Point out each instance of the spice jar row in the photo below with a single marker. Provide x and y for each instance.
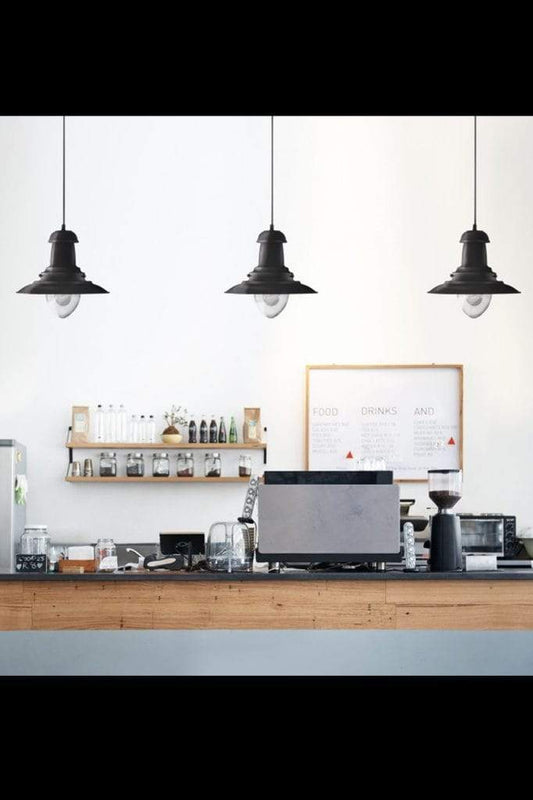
(161, 467)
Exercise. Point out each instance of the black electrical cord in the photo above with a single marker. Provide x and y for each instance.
(337, 566)
(63, 226)
(475, 173)
(272, 172)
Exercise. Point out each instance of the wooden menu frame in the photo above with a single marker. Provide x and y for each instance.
(458, 367)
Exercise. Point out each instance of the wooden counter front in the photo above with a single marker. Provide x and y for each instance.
(407, 604)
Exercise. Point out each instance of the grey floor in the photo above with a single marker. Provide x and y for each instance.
(266, 653)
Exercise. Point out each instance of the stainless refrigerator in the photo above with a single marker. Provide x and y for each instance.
(12, 514)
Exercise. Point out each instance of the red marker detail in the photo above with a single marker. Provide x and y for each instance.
(451, 440)
(350, 454)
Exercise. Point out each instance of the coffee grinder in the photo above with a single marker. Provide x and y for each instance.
(445, 489)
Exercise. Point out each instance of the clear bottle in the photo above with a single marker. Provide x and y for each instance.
(233, 431)
(108, 465)
(213, 430)
(222, 436)
(142, 429)
(135, 465)
(204, 436)
(99, 424)
(150, 429)
(106, 555)
(193, 431)
(117, 424)
(213, 465)
(134, 429)
(160, 465)
(111, 424)
(122, 424)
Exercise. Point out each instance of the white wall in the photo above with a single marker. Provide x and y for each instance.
(167, 211)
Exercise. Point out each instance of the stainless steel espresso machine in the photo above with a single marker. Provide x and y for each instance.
(329, 517)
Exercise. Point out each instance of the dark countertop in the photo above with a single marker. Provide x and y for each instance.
(287, 575)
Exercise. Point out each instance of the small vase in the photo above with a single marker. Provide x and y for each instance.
(172, 438)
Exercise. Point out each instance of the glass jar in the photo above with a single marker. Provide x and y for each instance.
(245, 466)
(445, 487)
(55, 553)
(35, 540)
(105, 554)
(108, 465)
(160, 465)
(185, 465)
(213, 465)
(135, 465)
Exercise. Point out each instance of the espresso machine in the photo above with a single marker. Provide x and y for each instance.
(445, 489)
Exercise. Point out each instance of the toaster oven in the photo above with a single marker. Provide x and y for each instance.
(489, 533)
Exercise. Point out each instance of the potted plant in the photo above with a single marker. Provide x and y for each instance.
(171, 434)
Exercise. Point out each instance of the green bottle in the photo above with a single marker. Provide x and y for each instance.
(233, 432)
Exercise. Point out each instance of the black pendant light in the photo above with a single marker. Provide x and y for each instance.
(271, 282)
(474, 280)
(63, 282)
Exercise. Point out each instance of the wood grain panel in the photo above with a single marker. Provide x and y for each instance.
(92, 616)
(287, 591)
(12, 591)
(250, 617)
(47, 591)
(76, 615)
(349, 605)
(137, 616)
(269, 605)
(459, 592)
(476, 617)
(15, 617)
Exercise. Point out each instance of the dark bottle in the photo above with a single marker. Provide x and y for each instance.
(213, 431)
(222, 438)
(193, 432)
(203, 431)
(233, 431)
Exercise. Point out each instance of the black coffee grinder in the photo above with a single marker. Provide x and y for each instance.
(445, 489)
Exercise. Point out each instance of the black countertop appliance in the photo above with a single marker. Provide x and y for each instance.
(445, 489)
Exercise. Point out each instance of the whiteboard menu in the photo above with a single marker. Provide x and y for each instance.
(404, 418)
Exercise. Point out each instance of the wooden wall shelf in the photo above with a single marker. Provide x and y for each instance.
(132, 446)
(162, 446)
(150, 479)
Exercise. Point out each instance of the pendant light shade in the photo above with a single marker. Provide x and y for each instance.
(62, 276)
(474, 282)
(63, 282)
(474, 276)
(271, 276)
(271, 282)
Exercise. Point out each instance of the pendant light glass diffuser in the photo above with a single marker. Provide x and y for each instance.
(474, 282)
(63, 282)
(271, 282)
